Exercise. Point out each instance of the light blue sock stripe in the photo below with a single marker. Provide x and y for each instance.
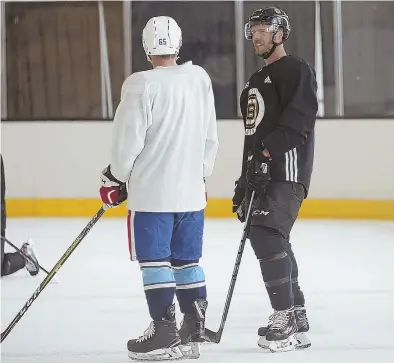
(189, 275)
(157, 275)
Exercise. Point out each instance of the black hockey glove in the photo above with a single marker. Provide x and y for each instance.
(239, 198)
(258, 171)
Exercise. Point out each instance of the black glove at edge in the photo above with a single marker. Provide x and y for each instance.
(239, 198)
(258, 171)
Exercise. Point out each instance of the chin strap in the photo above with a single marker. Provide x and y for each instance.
(269, 53)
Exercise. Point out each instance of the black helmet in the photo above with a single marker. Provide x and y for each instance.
(272, 16)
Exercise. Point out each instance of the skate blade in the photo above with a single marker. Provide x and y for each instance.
(285, 345)
(303, 341)
(190, 350)
(210, 337)
(263, 343)
(158, 355)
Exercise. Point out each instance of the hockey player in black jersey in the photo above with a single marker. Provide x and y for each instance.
(279, 107)
(13, 262)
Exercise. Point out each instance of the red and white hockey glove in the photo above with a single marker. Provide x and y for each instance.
(112, 192)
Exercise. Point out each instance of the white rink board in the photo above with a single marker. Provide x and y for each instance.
(353, 159)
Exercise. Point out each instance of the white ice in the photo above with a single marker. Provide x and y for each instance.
(346, 272)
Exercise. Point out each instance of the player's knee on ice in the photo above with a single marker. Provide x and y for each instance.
(266, 242)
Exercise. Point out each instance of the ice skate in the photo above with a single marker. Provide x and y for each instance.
(192, 331)
(303, 340)
(28, 250)
(280, 332)
(160, 341)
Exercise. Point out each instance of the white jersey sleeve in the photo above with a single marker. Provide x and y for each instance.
(132, 119)
(212, 142)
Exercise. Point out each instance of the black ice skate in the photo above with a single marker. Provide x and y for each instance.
(160, 341)
(303, 340)
(27, 249)
(192, 331)
(280, 332)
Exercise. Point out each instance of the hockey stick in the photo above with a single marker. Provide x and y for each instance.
(51, 274)
(211, 336)
(24, 255)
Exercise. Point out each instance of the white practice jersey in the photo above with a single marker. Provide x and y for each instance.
(165, 138)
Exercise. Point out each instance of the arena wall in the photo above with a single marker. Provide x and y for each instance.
(53, 168)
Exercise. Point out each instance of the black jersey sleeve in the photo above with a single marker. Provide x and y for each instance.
(247, 139)
(297, 88)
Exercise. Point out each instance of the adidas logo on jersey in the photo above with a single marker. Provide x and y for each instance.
(267, 80)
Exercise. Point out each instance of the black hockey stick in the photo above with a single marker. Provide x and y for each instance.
(24, 255)
(51, 274)
(211, 336)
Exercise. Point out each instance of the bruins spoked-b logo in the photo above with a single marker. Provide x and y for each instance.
(254, 111)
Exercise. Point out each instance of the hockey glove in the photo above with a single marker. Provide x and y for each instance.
(239, 198)
(258, 171)
(112, 192)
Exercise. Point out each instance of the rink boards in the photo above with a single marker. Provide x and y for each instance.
(53, 168)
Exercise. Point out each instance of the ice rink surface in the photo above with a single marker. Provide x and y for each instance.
(346, 273)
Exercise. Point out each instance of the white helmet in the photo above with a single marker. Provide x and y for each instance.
(161, 36)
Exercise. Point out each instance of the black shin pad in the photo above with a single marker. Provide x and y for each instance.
(299, 299)
(270, 248)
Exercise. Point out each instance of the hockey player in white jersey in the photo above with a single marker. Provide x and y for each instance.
(164, 146)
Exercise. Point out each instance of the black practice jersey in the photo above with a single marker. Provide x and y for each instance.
(279, 108)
